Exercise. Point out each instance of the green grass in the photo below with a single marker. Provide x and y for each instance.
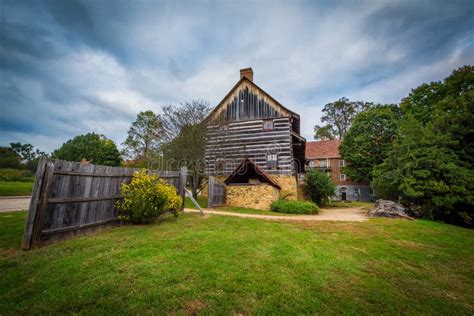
(15, 188)
(245, 210)
(202, 201)
(227, 265)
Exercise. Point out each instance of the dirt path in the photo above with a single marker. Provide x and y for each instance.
(14, 203)
(333, 214)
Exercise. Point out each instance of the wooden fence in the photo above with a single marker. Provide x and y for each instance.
(216, 192)
(71, 199)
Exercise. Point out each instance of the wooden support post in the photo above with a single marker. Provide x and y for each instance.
(35, 197)
(43, 205)
(183, 175)
(194, 201)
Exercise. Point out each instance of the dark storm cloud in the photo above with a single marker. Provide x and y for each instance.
(71, 67)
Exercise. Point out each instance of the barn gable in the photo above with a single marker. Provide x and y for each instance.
(247, 101)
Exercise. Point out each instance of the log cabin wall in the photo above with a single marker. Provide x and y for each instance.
(229, 144)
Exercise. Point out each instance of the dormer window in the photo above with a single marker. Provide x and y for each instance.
(267, 125)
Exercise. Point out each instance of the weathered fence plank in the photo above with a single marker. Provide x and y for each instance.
(35, 201)
(71, 199)
(182, 185)
(41, 210)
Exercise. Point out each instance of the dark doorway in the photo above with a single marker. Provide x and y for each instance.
(343, 194)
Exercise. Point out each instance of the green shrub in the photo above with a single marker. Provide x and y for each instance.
(21, 175)
(294, 207)
(319, 187)
(146, 198)
(9, 158)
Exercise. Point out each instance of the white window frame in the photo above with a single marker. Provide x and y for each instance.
(342, 163)
(268, 128)
(322, 163)
(342, 177)
(272, 161)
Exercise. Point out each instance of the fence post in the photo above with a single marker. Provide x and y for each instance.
(210, 191)
(43, 204)
(35, 196)
(183, 175)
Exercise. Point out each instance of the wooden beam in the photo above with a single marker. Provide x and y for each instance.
(75, 227)
(83, 199)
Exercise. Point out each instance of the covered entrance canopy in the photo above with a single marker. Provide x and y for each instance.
(247, 173)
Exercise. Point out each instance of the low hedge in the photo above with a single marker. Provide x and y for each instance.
(22, 175)
(294, 207)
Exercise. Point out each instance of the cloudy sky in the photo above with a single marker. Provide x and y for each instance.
(70, 67)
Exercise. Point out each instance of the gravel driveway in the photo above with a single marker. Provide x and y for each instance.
(14, 203)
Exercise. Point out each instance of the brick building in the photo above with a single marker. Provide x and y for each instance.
(324, 156)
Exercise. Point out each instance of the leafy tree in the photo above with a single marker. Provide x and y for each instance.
(324, 132)
(430, 167)
(29, 156)
(25, 151)
(338, 117)
(92, 147)
(319, 187)
(184, 130)
(144, 137)
(9, 158)
(368, 141)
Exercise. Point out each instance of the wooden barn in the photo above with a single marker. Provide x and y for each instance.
(254, 146)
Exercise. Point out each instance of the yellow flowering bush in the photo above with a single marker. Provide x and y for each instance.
(146, 198)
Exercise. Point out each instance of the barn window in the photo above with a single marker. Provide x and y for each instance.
(224, 129)
(268, 125)
(272, 161)
(220, 165)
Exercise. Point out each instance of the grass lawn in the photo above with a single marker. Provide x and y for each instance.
(201, 201)
(15, 188)
(226, 265)
(245, 210)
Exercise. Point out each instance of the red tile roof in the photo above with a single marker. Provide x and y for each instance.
(322, 149)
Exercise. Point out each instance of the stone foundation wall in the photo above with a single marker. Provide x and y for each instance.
(288, 186)
(258, 196)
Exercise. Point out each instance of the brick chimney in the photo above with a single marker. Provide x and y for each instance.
(247, 73)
